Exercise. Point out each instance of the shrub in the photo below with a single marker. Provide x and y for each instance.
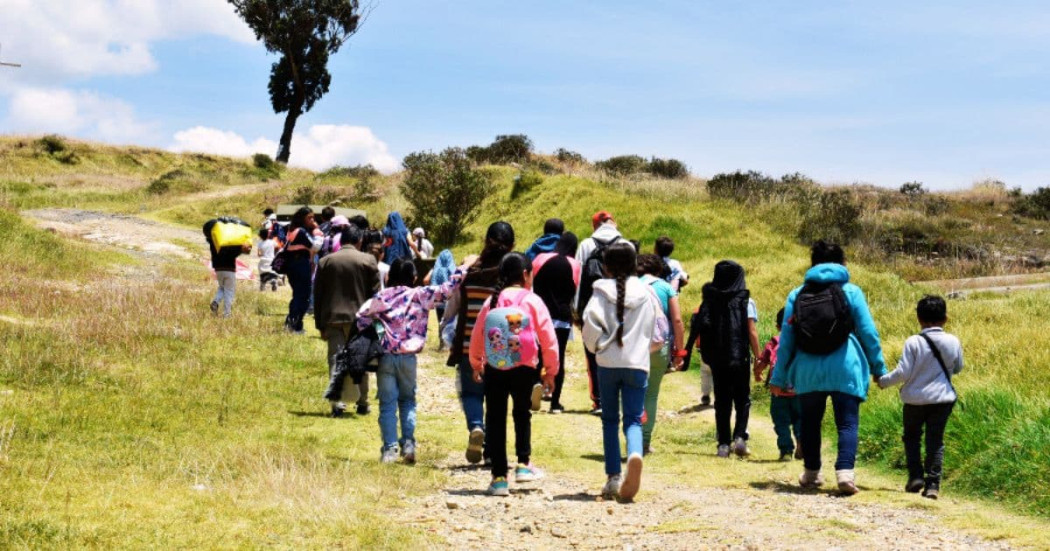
(912, 189)
(741, 186)
(510, 148)
(569, 157)
(356, 171)
(52, 144)
(166, 182)
(668, 168)
(1034, 205)
(524, 182)
(622, 165)
(444, 191)
(543, 166)
(478, 154)
(365, 190)
(834, 217)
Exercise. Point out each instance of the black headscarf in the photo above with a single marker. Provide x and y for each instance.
(729, 277)
(721, 321)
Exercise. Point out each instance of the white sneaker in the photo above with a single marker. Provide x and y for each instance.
(847, 480)
(810, 479)
(632, 482)
(612, 487)
(537, 396)
(740, 447)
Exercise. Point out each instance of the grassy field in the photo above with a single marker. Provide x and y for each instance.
(130, 418)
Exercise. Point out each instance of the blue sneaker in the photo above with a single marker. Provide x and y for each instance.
(527, 473)
(499, 487)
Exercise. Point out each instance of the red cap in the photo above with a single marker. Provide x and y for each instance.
(600, 218)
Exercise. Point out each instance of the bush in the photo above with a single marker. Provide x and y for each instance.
(542, 166)
(317, 195)
(569, 157)
(1034, 205)
(365, 190)
(524, 182)
(52, 144)
(835, 217)
(668, 168)
(741, 186)
(912, 189)
(622, 165)
(166, 182)
(356, 171)
(444, 191)
(510, 148)
(478, 154)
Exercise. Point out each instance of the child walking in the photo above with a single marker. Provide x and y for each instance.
(622, 325)
(403, 311)
(515, 330)
(924, 372)
(784, 406)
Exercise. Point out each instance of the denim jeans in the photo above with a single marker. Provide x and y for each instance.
(516, 384)
(787, 421)
(732, 391)
(299, 279)
(628, 384)
(935, 418)
(227, 282)
(471, 395)
(847, 420)
(396, 379)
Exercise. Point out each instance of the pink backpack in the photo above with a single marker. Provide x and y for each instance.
(510, 336)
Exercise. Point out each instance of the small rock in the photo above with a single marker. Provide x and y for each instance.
(526, 529)
(609, 510)
(452, 504)
(1038, 231)
(558, 532)
(200, 487)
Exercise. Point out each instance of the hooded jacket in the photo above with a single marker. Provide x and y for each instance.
(848, 369)
(641, 314)
(606, 233)
(396, 234)
(721, 320)
(544, 244)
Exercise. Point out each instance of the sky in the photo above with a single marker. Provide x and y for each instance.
(945, 93)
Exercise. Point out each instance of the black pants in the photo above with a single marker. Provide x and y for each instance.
(516, 384)
(559, 379)
(935, 418)
(592, 378)
(732, 389)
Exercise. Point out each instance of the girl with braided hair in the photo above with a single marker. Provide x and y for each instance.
(622, 325)
(514, 330)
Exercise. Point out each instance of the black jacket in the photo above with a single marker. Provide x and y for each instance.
(555, 285)
(721, 324)
(356, 357)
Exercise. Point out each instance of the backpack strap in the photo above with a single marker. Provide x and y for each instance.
(940, 361)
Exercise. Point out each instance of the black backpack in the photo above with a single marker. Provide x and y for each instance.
(593, 269)
(822, 318)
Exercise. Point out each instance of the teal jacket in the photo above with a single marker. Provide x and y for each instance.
(850, 368)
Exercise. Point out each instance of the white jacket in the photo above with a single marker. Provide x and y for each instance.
(641, 317)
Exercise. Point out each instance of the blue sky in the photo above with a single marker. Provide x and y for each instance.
(943, 92)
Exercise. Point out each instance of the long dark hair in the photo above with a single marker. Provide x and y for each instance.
(402, 273)
(567, 244)
(512, 269)
(299, 218)
(620, 264)
(499, 240)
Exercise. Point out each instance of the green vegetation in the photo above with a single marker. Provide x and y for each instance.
(445, 191)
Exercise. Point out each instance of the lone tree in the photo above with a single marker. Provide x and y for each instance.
(305, 33)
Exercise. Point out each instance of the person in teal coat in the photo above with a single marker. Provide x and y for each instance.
(842, 375)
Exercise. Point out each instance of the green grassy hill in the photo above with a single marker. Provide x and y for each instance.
(88, 363)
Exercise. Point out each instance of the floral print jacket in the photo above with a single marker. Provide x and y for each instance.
(404, 312)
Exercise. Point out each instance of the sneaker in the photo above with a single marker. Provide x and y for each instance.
(214, 307)
(785, 456)
(648, 450)
(705, 400)
(810, 479)
(612, 487)
(847, 482)
(798, 451)
(475, 444)
(408, 453)
(389, 455)
(596, 410)
(931, 492)
(499, 487)
(527, 473)
(740, 447)
(557, 408)
(338, 410)
(633, 480)
(914, 485)
(362, 409)
(537, 396)
(723, 450)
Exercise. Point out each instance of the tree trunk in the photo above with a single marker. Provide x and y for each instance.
(284, 150)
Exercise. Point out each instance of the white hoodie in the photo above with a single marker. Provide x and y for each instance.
(642, 314)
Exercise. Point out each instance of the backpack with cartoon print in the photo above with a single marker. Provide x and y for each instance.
(510, 336)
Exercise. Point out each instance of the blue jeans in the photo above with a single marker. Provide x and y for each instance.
(299, 278)
(847, 420)
(628, 384)
(787, 420)
(471, 395)
(396, 379)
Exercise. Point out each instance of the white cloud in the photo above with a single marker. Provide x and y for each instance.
(53, 110)
(83, 38)
(321, 147)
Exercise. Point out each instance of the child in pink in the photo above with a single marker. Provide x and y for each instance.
(784, 407)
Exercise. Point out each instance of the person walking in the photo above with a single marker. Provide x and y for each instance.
(424, 249)
(622, 326)
(478, 286)
(669, 357)
(553, 229)
(300, 248)
(829, 348)
(590, 254)
(345, 280)
(224, 262)
(396, 242)
(557, 275)
(728, 339)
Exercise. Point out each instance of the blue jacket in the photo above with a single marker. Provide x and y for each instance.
(848, 369)
(545, 244)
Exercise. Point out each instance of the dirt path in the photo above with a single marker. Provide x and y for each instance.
(151, 239)
(565, 511)
(992, 284)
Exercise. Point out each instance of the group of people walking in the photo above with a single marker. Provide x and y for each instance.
(509, 315)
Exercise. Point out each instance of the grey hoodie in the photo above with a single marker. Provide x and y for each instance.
(642, 314)
(922, 378)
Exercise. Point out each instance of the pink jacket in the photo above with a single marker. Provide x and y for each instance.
(544, 328)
